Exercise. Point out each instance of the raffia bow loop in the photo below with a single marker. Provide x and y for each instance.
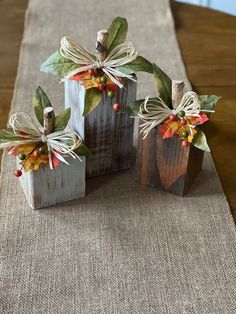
(154, 111)
(122, 54)
(190, 104)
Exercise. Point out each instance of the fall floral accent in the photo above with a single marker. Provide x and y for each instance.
(183, 120)
(33, 146)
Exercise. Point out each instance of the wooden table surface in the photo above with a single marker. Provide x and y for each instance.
(208, 44)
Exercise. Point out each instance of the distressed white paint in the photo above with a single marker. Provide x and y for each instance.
(108, 134)
(46, 187)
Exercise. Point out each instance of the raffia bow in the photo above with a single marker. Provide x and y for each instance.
(153, 112)
(58, 143)
(119, 56)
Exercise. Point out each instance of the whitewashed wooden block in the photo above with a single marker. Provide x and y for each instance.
(45, 187)
(108, 134)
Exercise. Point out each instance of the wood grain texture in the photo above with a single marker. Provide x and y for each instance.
(108, 134)
(12, 15)
(101, 45)
(207, 41)
(164, 164)
(46, 187)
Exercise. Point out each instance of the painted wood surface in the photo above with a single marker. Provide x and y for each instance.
(108, 134)
(164, 164)
(46, 187)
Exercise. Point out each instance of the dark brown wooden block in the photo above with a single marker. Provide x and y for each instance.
(166, 165)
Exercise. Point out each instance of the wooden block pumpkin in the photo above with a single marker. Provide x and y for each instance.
(48, 156)
(171, 143)
(98, 89)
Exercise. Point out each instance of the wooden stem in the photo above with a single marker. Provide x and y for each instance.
(101, 45)
(177, 92)
(48, 122)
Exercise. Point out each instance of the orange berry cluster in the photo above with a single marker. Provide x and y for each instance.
(23, 157)
(183, 121)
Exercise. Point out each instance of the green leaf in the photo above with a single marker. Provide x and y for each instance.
(92, 98)
(200, 141)
(82, 150)
(139, 64)
(40, 102)
(56, 64)
(208, 102)
(7, 135)
(117, 33)
(132, 109)
(62, 120)
(163, 83)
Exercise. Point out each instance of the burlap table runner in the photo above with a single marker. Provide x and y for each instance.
(124, 248)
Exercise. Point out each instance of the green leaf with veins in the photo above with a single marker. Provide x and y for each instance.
(56, 64)
(133, 108)
(117, 33)
(40, 102)
(82, 150)
(200, 141)
(8, 135)
(139, 64)
(208, 102)
(61, 121)
(163, 83)
(92, 98)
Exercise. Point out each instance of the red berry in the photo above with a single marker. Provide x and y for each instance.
(116, 107)
(101, 87)
(36, 153)
(185, 143)
(172, 117)
(92, 72)
(183, 121)
(18, 173)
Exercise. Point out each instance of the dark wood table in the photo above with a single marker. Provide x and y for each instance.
(208, 44)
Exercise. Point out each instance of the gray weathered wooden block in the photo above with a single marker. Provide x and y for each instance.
(108, 134)
(46, 187)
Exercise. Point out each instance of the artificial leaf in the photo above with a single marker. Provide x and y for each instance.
(56, 64)
(169, 128)
(200, 141)
(208, 102)
(133, 108)
(40, 102)
(82, 150)
(31, 162)
(88, 82)
(139, 64)
(92, 98)
(62, 120)
(117, 33)
(8, 135)
(163, 83)
(201, 119)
